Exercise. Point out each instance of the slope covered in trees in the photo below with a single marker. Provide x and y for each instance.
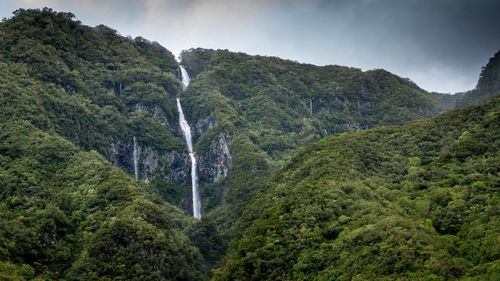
(99, 90)
(487, 86)
(74, 97)
(283, 105)
(417, 202)
(71, 97)
(68, 214)
(272, 107)
(91, 86)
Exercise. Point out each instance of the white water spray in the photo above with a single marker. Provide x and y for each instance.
(186, 132)
(135, 155)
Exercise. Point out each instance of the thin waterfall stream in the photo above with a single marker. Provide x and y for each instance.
(186, 132)
(135, 157)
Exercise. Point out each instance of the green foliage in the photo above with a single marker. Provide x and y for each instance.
(447, 102)
(418, 202)
(415, 202)
(12, 272)
(136, 249)
(270, 107)
(197, 60)
(212, 244)
(89, 85)
(272, 98)
(68, 214)
(251, 168)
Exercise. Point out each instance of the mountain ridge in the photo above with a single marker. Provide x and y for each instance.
(278, 106)
(487, 85)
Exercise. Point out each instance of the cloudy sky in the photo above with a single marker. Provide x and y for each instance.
(439, 44)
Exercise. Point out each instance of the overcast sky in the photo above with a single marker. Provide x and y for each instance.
(439, 44)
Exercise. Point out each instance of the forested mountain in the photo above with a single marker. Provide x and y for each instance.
(417, 202)
(90, 85)
(487, 86)
(97, 89)
(85, 110)
(282, 105)
(68, 214)
(274, 106)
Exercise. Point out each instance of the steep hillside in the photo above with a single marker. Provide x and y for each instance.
(487, 86)
(283, 104)
(85, 109)
(274, 106)
(417, 202)
(73, 98)
(98, 90)
(69, 215)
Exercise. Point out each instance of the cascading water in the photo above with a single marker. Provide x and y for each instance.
(135, 155)
(184, 77)
(186, 132)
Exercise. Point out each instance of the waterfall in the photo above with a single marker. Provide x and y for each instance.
(135, 155)
(186, 132)
(184, 77)
(311, 106)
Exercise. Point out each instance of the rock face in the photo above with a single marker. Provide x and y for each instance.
(204, 125)
(120, 153)
(216, 163)
(172, 166)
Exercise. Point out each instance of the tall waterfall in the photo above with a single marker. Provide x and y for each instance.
(186, 132)
(135, 155)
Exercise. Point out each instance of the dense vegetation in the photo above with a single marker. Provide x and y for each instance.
(418, 202)
(68, 214)
(72, 96)
(89, 85)
(283, 105)
(274, 106)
